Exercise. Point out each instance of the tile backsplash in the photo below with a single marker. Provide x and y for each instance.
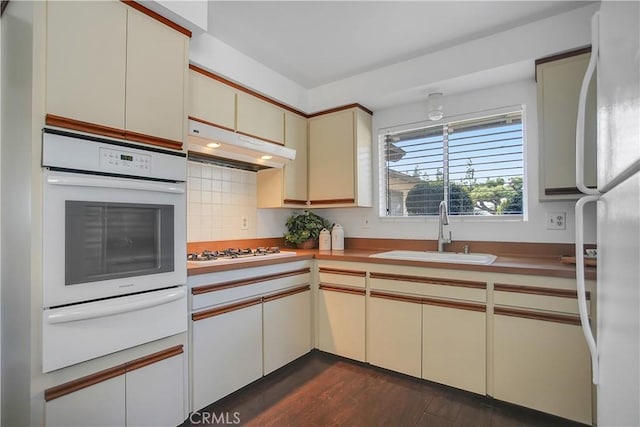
(221, 203)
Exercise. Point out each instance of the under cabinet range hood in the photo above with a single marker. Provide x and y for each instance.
(233, 149)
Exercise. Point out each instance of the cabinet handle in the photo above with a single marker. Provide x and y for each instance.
(582, 102)
(582, 298)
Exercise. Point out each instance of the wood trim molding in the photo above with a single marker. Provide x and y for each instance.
(536, 290)
(428, 280)
(294, 202)
(107, 374)
(157, 17)
(153, 358)
(244, 282)
(395, 297)
(245, 90)
(195, 119)
(84, 382)
(560, 56)
(225, 309)
(286, 293)
(65, 122)
(342, 272)
(332, 202)
(152, 140)
(341, 108)
(536, 315)
(260, 137)
(343, 289)
(455, 304)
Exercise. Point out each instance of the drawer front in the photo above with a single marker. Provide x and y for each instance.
(538, 298)
(345, 277)
(226, 292)
(429, 287)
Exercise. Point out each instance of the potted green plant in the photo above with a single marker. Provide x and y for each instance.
(304, 228)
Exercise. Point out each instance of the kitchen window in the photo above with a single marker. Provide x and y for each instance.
(476, 165)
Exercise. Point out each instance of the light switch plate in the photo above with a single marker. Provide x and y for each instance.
(556, 220)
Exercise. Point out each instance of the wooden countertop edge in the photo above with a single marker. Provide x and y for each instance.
(192, 271)
(534, 266)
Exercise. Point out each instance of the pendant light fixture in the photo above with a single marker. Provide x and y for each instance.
(435, 110)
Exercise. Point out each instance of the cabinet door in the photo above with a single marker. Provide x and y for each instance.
(211, 101)
(295, 172)
(559, 85)
(454, 347)
(156, 72)
(395, 335)
(542, 365)
(155, 394)
(287, 329)
(331, 158)
(287, 186)
(86, 54)
(102, 404)
(227, 352)
(260, 119)
(341, 323)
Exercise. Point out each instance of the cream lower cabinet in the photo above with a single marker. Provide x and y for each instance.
(101, 404)
(226, 351)
(144, 392)
(155, 394)
(341, 321)
(395, 333)
(454, 344)
(286, 327)
(341, 311)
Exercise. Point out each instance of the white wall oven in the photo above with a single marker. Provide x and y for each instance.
(114, 245)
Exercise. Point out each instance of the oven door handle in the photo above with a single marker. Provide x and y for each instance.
(125, 184)
(112, 307)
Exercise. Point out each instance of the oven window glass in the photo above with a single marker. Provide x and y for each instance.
(113, 240)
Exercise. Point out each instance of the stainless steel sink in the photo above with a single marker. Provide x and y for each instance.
(451, 257)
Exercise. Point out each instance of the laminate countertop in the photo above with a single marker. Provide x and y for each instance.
(516, 264)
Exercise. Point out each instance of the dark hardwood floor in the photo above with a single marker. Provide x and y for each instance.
(320, 389)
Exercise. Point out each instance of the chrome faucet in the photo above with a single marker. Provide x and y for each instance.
(443, 219)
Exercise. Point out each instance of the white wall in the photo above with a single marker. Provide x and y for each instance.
(531, 230)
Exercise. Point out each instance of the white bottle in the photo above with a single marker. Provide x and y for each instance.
(324, 242)
(337, 238)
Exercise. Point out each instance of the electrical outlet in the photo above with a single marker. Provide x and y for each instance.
(556, 220)
(365, 222)
(244, 222)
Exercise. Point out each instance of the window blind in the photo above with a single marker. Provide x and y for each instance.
(475, 165)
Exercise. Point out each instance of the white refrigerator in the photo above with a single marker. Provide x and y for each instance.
(615, 351)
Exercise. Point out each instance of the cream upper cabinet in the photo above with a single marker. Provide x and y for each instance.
(86, 57)
(558, 89)
(259, 118)
(156, 73)
(114, 71)
(211, 101)
(287, 186)
(340, 159)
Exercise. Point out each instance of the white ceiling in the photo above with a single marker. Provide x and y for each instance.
(314, 43)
